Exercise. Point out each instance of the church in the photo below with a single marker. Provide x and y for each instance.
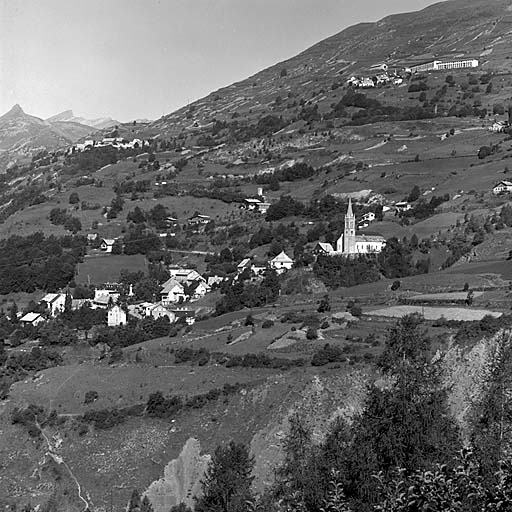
(350, 243)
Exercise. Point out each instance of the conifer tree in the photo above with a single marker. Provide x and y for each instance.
(227, 483)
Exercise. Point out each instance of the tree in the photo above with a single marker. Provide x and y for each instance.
(146, 506)
(74, 198)
(324, 306)
(406, 424)
(414, 194)
(227, 483)
(117, 247)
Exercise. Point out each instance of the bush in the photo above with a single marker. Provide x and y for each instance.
(267, 324)
(311, 333)
(356, 310)
(90, 397)
(395, 285)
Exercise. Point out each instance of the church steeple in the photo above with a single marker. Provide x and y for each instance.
(349, 235)
(349, 213)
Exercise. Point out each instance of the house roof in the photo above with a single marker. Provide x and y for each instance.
(504, 183)
(283, 257)
(325, 246)
(250, 200)
(370, 238)
(109, 241)
(244, 263)
(170, 285)
(50, 297)
(30, 317)
(102, 299)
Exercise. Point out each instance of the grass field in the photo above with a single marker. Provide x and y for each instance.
(432, 313)
(104, 268)
(63, 388)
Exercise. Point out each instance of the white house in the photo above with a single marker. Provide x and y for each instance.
(107, 244)
(172, 292)
(402, 206)
(54, 302)
(102, 298)
(281, 262)
(503, 187)
(116, 316)
(198, 289)
(368, 217)
(499, 126)
(159, 311)
(31, 319)
(323, 248)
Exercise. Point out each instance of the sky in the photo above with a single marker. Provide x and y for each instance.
(130, 59)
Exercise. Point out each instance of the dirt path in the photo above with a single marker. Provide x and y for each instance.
(59, 460)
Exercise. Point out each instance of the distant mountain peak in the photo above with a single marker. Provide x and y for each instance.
(15, 111)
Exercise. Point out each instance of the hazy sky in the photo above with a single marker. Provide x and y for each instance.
(129, 59)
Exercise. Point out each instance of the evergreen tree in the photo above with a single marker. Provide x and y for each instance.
(135, 501)
(227, 483)
(491, 413)
(146, 505)
(406, 424)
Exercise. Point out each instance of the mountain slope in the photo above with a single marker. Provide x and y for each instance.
(479, 28)
(23, 133)
(69, 117)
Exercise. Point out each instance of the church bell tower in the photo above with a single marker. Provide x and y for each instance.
(349, 235)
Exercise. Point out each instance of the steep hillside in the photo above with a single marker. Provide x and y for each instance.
(476, 28)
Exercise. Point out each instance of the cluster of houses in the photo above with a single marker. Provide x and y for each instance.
(115, 142)
(499, 126)
(52, 304)
(380, 77)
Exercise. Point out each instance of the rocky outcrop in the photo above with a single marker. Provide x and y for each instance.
(181, 480)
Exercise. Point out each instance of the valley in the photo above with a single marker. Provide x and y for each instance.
(283, 254)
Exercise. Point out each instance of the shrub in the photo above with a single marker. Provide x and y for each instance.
(356, 310)
(90, 397)
(311, 333)
(267, 324)
(395, 285)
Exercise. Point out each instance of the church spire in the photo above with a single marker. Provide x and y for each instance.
(350, 213)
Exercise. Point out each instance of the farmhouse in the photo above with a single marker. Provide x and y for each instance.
(499, 126)
(199, 219)
(159, 311)
(107, 244)
(102, 298)
(54, 303)
(281, 262)
(116, 316)
(31, 319)
(185, 315)
(323, 248)
(197, 289)
(172, 291)
(502, 187)
(402, 206)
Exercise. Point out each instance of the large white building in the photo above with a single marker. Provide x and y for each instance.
(439, 65)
